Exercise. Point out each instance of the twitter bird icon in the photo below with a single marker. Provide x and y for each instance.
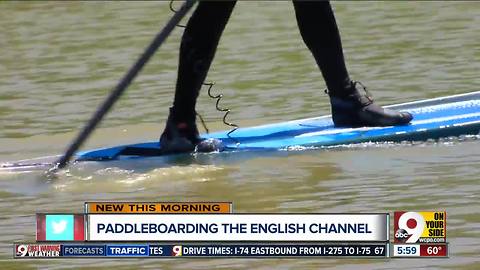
(59, 227)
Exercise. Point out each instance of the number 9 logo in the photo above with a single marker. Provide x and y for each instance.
(177, 251)
(412, 223)
(21, 250)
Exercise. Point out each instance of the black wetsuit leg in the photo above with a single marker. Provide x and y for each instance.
(319, 31)
(350, 107)
(197, 49)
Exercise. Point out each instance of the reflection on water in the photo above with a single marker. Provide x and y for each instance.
(59, 59)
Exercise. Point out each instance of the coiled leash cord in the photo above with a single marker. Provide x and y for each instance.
(218, 98)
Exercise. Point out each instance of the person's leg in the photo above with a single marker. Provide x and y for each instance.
(199, 43)
(350, 107)
(319, 31)
(197, 50)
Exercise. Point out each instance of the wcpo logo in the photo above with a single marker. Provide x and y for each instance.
(21, 250)
(420, 227)
(177, 251)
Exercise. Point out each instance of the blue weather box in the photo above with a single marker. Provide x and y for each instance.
(59, 227)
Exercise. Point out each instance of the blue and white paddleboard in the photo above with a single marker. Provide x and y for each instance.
(432, 119)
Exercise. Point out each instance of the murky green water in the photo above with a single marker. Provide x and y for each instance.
(59, 59)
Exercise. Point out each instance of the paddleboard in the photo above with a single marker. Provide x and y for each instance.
(432, 119)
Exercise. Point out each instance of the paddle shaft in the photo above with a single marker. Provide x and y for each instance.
(123, 84)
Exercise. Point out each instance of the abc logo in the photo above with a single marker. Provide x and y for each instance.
(401, 235)
(21, 250)
(410, 227)
(177, 251)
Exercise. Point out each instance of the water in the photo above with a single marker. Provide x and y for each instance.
(59, 59)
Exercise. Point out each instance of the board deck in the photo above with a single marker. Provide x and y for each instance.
(432, 119)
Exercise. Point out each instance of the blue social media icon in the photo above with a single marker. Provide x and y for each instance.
(59, 227)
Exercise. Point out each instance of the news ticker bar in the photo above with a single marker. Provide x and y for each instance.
(257, 250)
(214, 250)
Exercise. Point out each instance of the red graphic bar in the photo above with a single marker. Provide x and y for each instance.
(79, 228)
(433, 250)
(41, 227)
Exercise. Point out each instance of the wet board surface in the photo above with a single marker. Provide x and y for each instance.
(432, 119)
